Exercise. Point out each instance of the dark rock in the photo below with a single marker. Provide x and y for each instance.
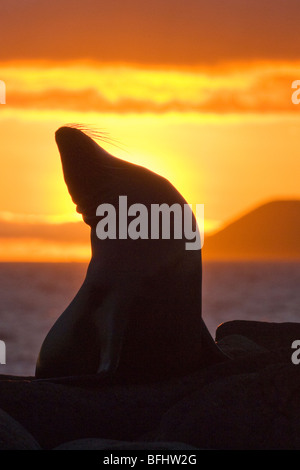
(244, 412)
(235, 346)
(247, 402)
(103, 444)
(13, 436)
(55, 414)
(268, 335)
(112, 412)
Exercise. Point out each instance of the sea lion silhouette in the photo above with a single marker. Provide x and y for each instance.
(137, 315)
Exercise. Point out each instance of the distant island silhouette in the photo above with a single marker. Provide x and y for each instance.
(270, 231)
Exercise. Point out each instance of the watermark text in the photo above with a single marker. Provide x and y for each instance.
(296, 93)
(296, 354)
(163, 222)
(2, 352)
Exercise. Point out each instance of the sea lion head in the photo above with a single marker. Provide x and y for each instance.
(94, 177)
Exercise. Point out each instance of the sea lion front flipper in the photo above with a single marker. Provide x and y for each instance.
(110, 325)
(71, 346)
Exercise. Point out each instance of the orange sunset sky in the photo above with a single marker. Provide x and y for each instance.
(198, 91)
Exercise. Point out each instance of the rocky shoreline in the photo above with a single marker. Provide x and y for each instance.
(250, 402)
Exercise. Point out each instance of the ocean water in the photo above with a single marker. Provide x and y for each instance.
(33, 295)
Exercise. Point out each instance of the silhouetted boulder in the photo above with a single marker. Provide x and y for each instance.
(265, 334)
(249, 401)
(242, 412)
(13, 436)
(55, 413)
(103, 444)
(236, 346)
